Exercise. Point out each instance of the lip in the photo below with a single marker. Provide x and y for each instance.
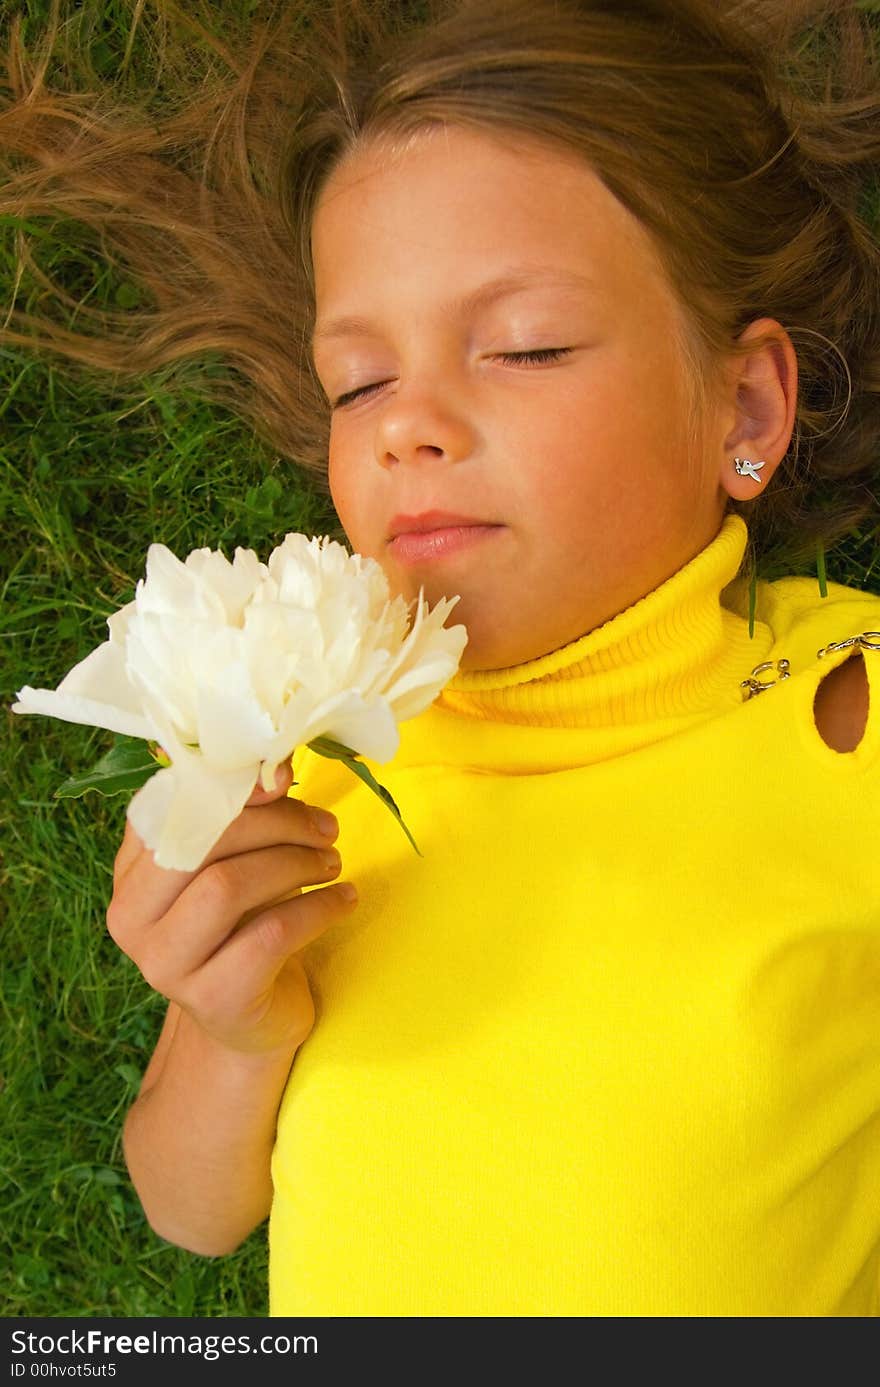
(430, 520)
(418, 547)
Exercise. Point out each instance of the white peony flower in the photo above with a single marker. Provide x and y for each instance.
(231, 666)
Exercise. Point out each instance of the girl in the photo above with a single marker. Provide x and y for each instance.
(569, 288)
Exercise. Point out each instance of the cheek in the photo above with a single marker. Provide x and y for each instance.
(559, 461)
(353, 492)
(336, 483)
(341, 478)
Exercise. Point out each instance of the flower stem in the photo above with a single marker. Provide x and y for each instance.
(325, 746)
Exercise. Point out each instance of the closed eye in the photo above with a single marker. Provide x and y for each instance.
(538, 357)
(541, 355)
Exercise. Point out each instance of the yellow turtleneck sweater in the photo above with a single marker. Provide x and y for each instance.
(611, 1046)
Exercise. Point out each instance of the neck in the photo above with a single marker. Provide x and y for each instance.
(678, 650)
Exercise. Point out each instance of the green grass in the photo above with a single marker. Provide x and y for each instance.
(86, 483)
(89, 476)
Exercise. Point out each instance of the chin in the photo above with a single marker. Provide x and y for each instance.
(483, 655)
(490, 653)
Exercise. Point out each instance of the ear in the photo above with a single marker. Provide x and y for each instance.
(759, 411)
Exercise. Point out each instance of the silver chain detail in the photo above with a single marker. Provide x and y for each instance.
(861, 639)
(753, 685)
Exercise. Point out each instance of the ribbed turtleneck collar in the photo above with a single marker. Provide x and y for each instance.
(674, 657)
(675, 650)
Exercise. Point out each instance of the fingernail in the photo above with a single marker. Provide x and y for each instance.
(325, 823)
(347, 890)
(332, 861)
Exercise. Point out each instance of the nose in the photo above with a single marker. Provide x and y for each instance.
(414, 426)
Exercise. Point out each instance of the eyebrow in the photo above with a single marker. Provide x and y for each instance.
(510, 282)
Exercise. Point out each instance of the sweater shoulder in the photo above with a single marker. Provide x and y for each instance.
(801, 620)
(832, 645)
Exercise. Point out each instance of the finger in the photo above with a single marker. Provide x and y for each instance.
(129, 849)
(147, 891)
(283, 782)
(132, 844)
(251, 961)
(212, 905)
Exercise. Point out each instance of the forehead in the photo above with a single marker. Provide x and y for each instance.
(448, 193)
(416, 230)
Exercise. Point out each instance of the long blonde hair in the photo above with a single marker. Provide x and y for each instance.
(743, 135)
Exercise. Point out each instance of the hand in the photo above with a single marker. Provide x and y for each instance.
(221, 941)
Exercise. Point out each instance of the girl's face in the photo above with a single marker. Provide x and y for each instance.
(577, 462)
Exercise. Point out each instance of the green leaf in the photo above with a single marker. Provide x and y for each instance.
(127, 295)
(106, 1175)
(821, 574)
(325, 746)
(126, 766)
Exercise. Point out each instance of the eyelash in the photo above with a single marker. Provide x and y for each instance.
(540, 355)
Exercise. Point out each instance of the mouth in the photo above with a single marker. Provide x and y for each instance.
(432, 520)
(416, 540)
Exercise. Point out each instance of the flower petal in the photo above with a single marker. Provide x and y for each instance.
(233, 730)
(174, 587)
(369, 728)
(234, 583)
(96, 691)
(183, 809)
(69, 708)
(428, 659)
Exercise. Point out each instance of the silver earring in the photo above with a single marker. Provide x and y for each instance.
(748, 469)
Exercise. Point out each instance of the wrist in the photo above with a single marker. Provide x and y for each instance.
(246, 1054)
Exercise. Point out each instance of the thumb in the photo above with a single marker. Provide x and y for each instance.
(283, 782)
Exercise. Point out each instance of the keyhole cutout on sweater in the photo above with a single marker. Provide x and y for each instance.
(840, 707)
